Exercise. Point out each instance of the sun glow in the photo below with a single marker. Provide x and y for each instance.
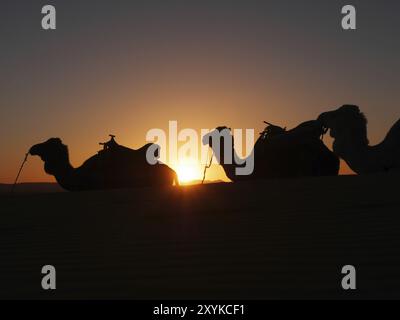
(188, 173)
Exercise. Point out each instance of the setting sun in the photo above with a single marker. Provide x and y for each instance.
(188, 172)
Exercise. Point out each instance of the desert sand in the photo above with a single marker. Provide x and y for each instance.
(256, 240)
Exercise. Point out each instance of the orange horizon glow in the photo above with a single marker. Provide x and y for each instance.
(189, 171)
(203, 66)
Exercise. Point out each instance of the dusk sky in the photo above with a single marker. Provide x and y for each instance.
(124, 67)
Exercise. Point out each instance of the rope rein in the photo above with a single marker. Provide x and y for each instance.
(19, 172)
(207, 166)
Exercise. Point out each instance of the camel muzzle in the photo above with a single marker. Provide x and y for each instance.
(34, 150)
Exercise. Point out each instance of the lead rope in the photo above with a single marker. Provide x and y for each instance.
(207, 166)
(19, 172)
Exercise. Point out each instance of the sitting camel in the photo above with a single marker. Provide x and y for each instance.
(113, 167)
(348, 127)
(279, 153)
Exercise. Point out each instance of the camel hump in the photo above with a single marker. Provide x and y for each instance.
(271, 131)
(306, 131)
(312, 128)
(111, 144)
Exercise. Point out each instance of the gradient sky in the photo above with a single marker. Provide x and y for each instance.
(124, 67)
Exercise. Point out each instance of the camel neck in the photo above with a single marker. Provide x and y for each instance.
(61, 171)
(64, 177)
(357, 153)
(231, 166)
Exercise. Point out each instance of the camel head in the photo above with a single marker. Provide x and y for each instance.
(53, 152)
(217, 133)
(344, 121)
(221, 142)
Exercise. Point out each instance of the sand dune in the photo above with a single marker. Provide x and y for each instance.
(264, 239)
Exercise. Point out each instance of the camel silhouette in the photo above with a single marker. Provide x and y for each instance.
(348, 127)
(113, 167)
(279, 153)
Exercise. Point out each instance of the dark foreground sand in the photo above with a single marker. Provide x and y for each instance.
(266, 239)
